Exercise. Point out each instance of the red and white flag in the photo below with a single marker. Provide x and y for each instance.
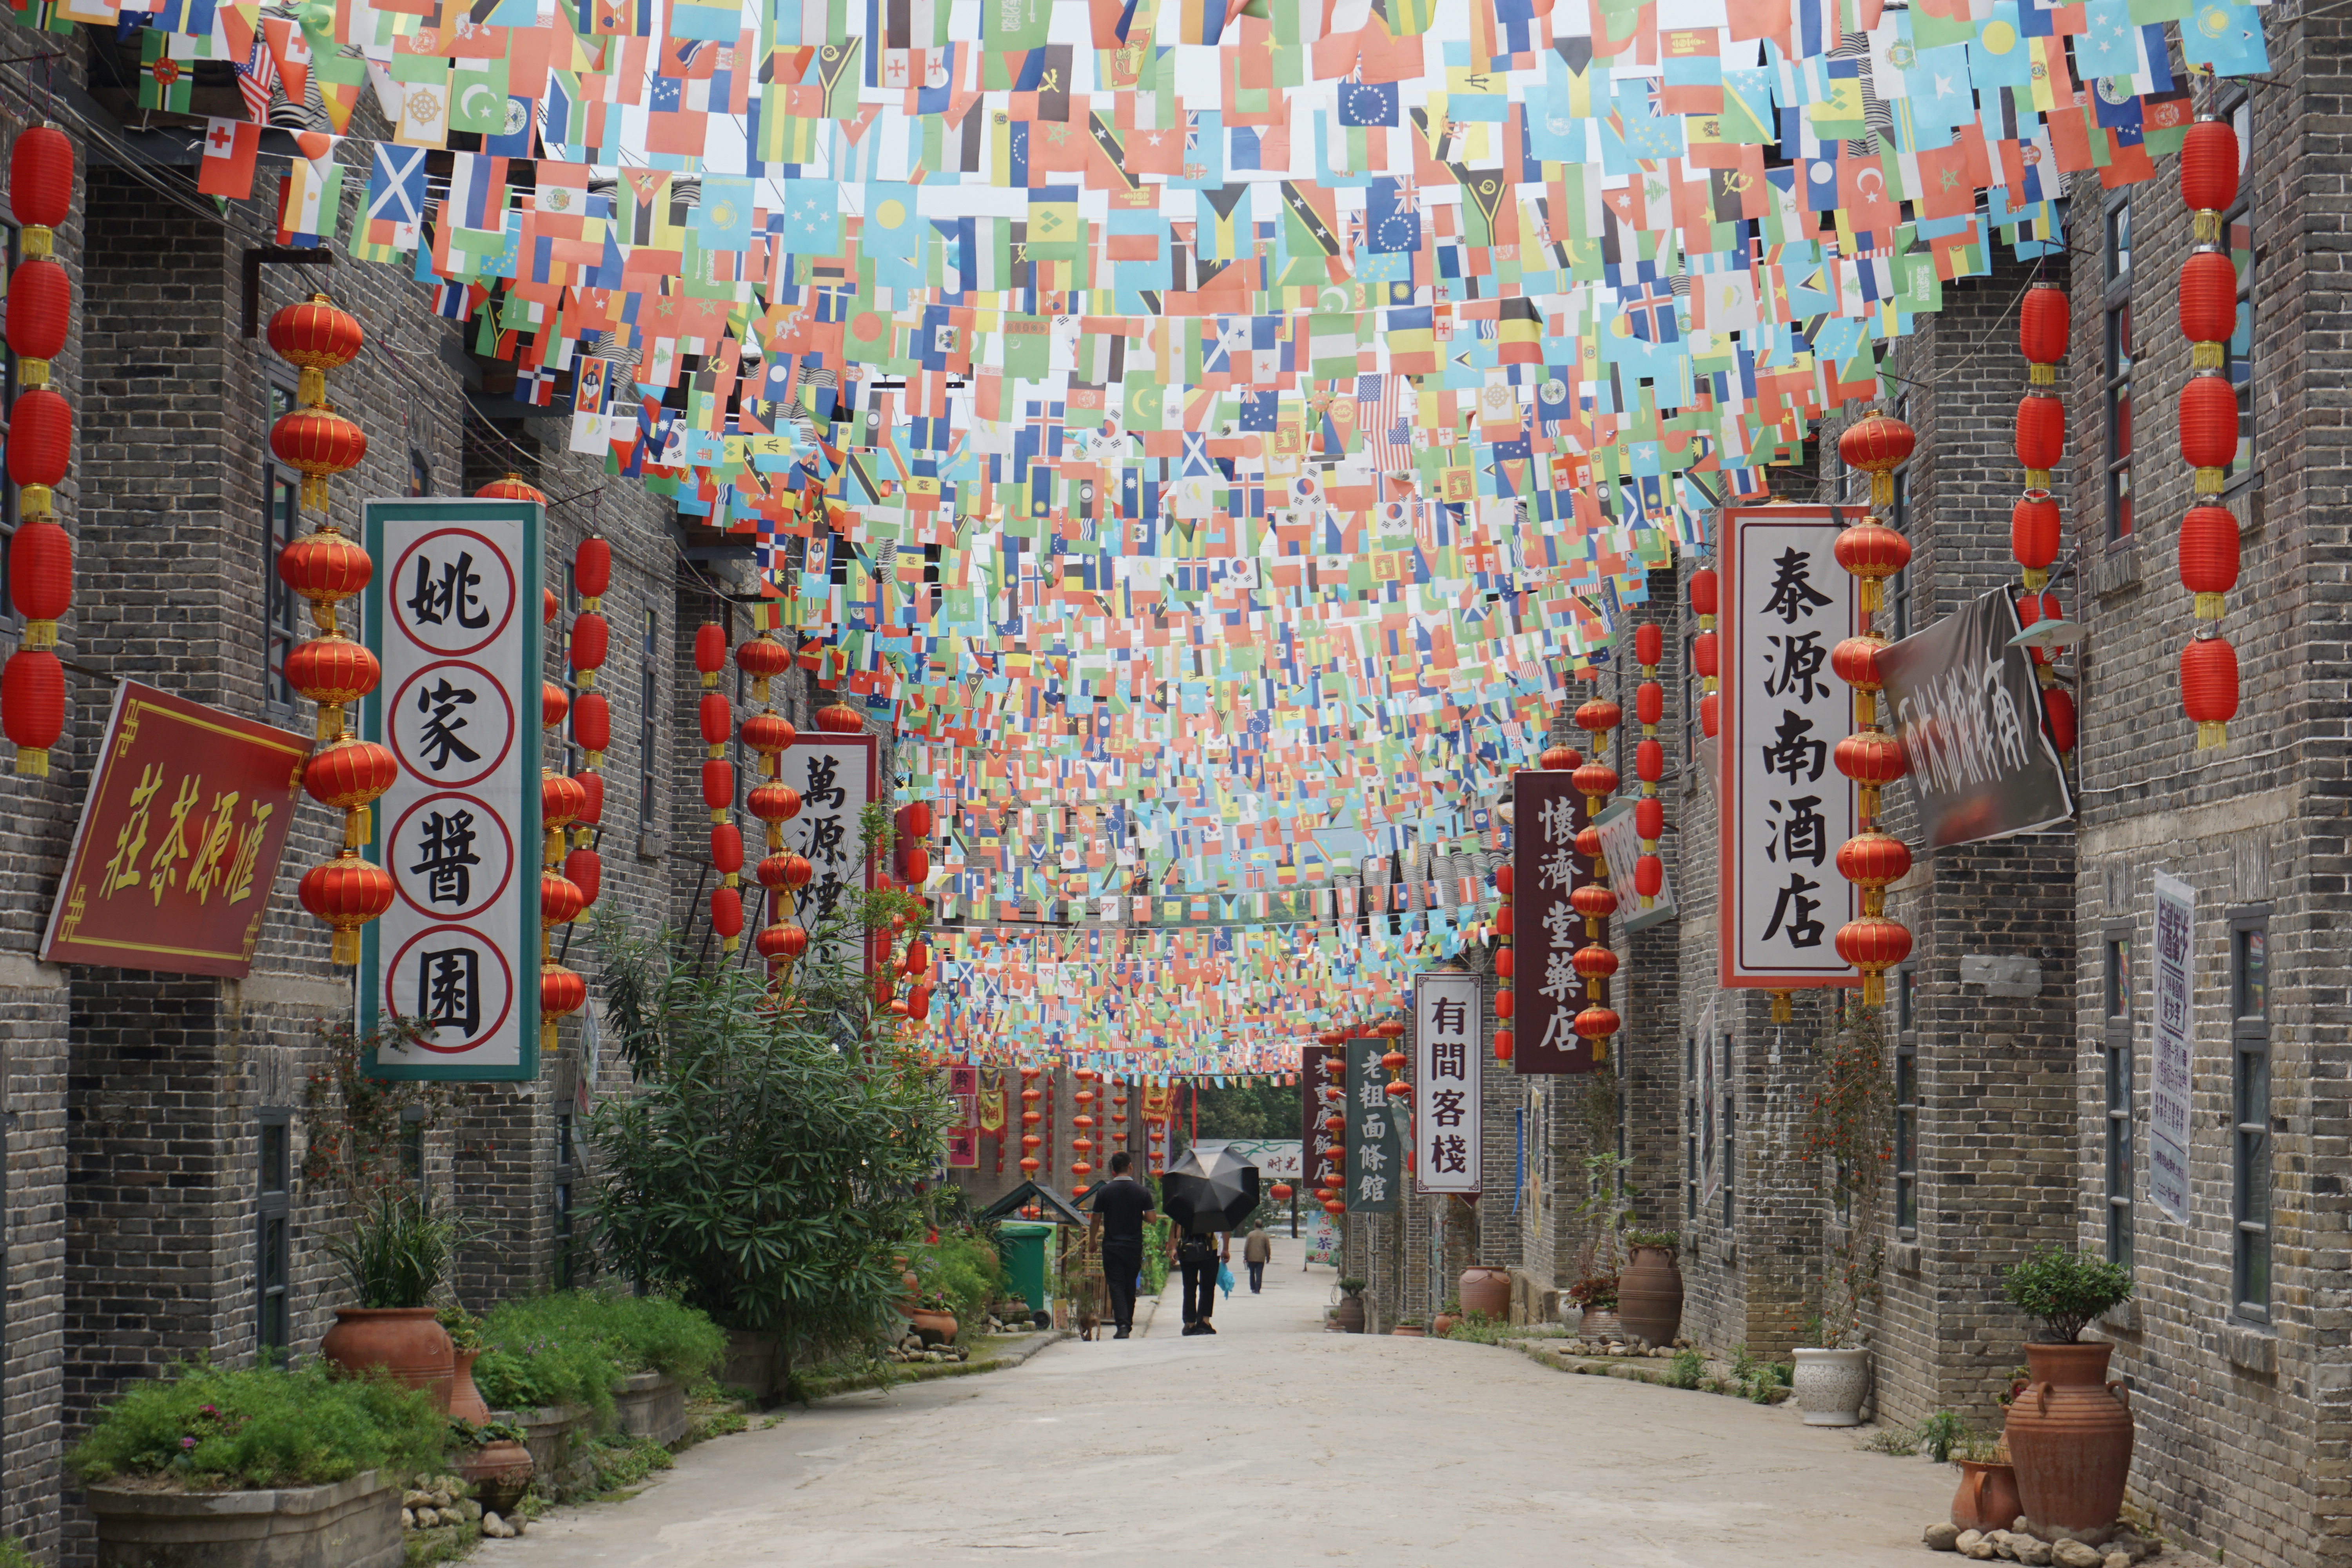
(227, 167)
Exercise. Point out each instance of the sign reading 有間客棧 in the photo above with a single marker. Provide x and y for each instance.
(1786, 808)
(454, 614)
(1447, 1124)
(179, 840)
(837, 775)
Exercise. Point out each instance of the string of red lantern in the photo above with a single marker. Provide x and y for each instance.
(1506, 1004)
(1649, 762)
(715, 717)
(1030, 1117)
(2208, 547)
(1081, 1143)
(592, 712)
(1594, 963)
(40, 450)
(1873, 858)
(563, 801)
(1704, 660)
(767, 733)
(2035, 527)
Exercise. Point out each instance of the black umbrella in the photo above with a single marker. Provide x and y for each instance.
(1212, 1194)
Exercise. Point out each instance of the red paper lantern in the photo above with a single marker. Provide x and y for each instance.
(512, 487)
(1588, 843)
(1595, 781)
(1873, 859)
(2042, 328)
(1704, 654)
(1597, 716)
(1650, 819)
(1598, 1023)
(1504, 918)
(586, 869)
(317, 337)
(40, 438)
(1649, 876)
(1594, 901)
(1870, 758)
(1506, 1044)
(2209, 688)
(839, 719)
(324, 567)
(1504, 879)
(1559, 759)
(2033, 533)
(767, 733)
(774, 803)
(40, 309)
(33, 707)
(547, 605)
(554, 702)
(2208, 301)
(1855, 661)
(797, 872)
(1649, 703)
(2041, 435)
(914, 865)
(561, 798)
(1709, 709)
(41, 578)
(1506, 1003)
(2209, 557)
(717, 785)
(762, 658)
(915, 819)
(319, 444)
(1878, 444)
(782, 941)
(726, 849)
(2032, 608)
(711, 651)
(345, 894)
(591, 809)
(40, 179)
(330, 671)
(559, 899)
(2209, 166)
(1871, 551)
(592, 569)
(727, 915)
(590, 637)
(2058, 708)
(716, 718)
(591, 724)
(348, 774)
(1703, 591)
(1874, 944)
(1649, 760)
(2209, 429)
(1593, 962)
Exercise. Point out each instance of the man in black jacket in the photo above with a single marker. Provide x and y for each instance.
(1122, 1207)
(1200, 1253)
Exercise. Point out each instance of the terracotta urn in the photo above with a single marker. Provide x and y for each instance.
(465, 1402)
(1349, 1314)
(403, 1341)
(1486, 1290)
(1408, 1332)
(2070, 1440)
(1598, 1324)
(935, 1327)
(499, 1472)
(1441, 1325)
(1988, 1499)
(1650, 1295)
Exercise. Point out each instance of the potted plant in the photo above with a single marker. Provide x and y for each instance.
(465, 1332)
(1650, 1292)
(1349, 1315)
(2070, 1431)
(1608, 1211)
(1596, 1295)
(934, 1321)
(395, 1255)
(1832, 1379)
(1447, 1316)
(1850, 1136)
(493, 1460)
(1409, 1329)
(255, 1468)
(1987, 1499)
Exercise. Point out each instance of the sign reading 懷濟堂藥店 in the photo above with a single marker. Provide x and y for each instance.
(1785, 807)
(2172, 1065)
(1445, 1113)
(1375, 1134)
(1547, 869)
(453, 612)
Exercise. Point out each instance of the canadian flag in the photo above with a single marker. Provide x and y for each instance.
(227, 167)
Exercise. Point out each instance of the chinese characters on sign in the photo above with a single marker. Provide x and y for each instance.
(1446, 1066)
(2170, 1078)
(1318, 1069)
(963, 1134)
(1547, 869)
(453, 616)
(836, 777)
(179, 840)
(1786, 808)
(1376, 1176)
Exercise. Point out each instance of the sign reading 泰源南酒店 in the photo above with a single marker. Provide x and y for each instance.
(837, 775)
(454, 614)
(1785, 808)
(1547, 869)
(1969, 713)
(1375, 1134)
(179, 839)
(1447, 1062)
(2170, 1083)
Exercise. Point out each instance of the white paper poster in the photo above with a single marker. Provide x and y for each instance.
(1446, 1110)
(2170, 1078)
(453, 613)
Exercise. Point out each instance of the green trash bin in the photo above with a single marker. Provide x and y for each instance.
(1023, 1245)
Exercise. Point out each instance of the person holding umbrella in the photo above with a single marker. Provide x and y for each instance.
(1205, 1198)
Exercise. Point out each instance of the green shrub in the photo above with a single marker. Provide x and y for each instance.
(13, 1555)
(1687, 1367)
(572, 1347)
(1941, 1432)
(2064, 1289)
(965, 1271)
(260, 1427)
(397, 1250)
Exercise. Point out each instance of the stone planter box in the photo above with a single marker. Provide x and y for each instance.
(351, 1524)
(557, 1436)
(750, 1363)
(652, 1404)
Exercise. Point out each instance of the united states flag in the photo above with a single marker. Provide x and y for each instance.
(1385, 409)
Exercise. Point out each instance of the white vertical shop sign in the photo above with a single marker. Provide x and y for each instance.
(1786, 808)
(453, 612)
(837, 778)
(1446, 1064)
(2170, 1078)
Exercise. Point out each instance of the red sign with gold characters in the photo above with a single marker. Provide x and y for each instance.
(179, 841)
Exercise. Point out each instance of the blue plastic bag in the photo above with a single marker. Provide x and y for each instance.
(1226, 1278)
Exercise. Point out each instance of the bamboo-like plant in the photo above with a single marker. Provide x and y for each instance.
(397, 1250)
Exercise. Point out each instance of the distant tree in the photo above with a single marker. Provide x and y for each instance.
(1249, 1107)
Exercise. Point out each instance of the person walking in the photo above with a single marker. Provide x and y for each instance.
(1257, 1251)
(1198, 1253)
(1122, 1207)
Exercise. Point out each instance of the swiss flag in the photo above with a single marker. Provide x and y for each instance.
(227, 167)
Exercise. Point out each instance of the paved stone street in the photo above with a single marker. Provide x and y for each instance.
(1274, 1444)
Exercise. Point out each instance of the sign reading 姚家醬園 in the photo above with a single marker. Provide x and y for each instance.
(453, 612)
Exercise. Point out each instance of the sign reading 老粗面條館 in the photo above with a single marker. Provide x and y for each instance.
(1968, 709)
(2170, 1083)
(1785, 806)
(179, 839)
(454, 614)
(1447, 1062)
(837, 775)
(1375, 1135)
